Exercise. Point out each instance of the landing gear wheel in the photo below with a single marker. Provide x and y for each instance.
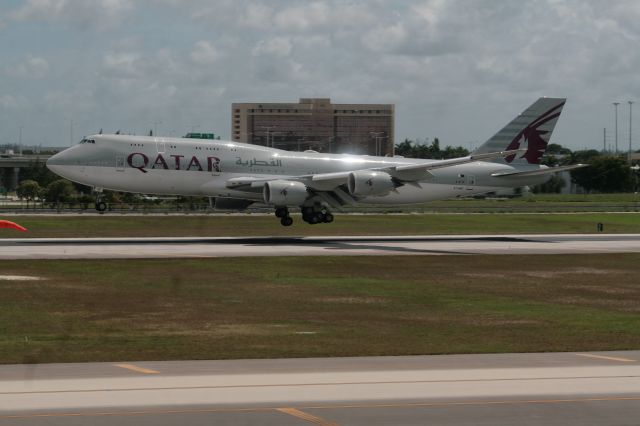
(286, 221)
(101, 206)
(328, 218)
(282, 212)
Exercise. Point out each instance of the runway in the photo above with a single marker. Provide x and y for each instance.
(119, 248)
(598, 388)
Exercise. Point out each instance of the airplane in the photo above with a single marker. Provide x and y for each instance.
(239, 174)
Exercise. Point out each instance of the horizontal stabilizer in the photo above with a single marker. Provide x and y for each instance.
(538, 172)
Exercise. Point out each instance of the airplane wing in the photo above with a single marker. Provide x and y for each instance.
(403, 173)
(538, 172)
(415, 172)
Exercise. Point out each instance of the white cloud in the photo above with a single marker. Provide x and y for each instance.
(277, 46)
(303, 17)
(385, 38)
(438, 60)
(256, 16)
(75, 100)
(123, 63)
(99, 14)
(204, 53)
(33, 67)
(13, 102)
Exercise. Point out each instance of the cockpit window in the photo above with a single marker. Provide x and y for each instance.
(85, 140)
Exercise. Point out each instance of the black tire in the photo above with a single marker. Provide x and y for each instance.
(286, 221)
(281, 212)
(101, 206)
(314, 218)
(328, 218)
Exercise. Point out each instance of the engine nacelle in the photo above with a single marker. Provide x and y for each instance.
(284, 193)
(366, 182)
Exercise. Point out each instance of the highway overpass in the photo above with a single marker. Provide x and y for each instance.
(10, 167)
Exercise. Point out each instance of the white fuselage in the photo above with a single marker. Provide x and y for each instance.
(194, 167)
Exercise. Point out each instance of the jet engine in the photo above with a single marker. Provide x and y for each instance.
(284, 193)
(366, 182)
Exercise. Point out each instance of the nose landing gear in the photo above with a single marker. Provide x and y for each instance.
(100, 205)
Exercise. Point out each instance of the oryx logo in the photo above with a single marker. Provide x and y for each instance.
(532, 135)
(284, 192)
(369, 182)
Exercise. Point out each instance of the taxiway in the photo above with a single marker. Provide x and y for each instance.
(597, 388)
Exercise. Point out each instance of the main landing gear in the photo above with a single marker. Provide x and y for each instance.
(310, 214)
(283, 214)
(316, 214)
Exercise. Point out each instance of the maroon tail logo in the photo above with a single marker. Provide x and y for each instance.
(532, 135)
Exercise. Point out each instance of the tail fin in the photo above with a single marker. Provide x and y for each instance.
(532, 130)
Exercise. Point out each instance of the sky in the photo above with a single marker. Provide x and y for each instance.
(456, 70)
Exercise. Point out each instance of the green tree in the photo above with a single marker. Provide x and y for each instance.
(29, 190)
(604, 174)
(582, 156)
(454, 152)
(552, 186)
(38, 171)
(409, 149)
(59, 191)
(404, 148)
(557, 149)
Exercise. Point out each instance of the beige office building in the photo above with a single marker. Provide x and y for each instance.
(316, 124)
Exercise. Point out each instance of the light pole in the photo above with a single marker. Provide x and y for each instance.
(155, 127)
(20, 140)
(268, 128)
(615, 104)
(71, 124)
(330, 139)
(377, 136)
(630, 116)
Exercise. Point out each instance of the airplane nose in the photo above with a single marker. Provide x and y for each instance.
(55, 161)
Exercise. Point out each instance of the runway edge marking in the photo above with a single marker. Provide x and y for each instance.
(137, 369)
(608, 358)
(306, 416)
